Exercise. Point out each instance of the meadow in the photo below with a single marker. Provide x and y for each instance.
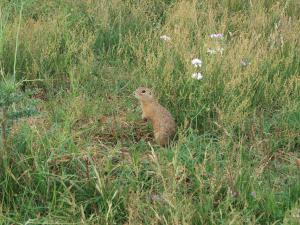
(86, 156)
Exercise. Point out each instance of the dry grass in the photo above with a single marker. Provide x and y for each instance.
(89, 159)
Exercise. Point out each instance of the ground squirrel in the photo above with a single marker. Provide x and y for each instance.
(162, 121)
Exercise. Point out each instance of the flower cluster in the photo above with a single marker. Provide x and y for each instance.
(165, 38)
(220, 50)
(197, 63)
(245, 62)
(216, 35)
(215, 51)
(197, 76)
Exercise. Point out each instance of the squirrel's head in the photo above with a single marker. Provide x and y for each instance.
(144, 94)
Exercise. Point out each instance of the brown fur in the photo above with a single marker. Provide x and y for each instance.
(162, 121)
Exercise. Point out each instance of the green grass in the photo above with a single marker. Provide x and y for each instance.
(87, 158)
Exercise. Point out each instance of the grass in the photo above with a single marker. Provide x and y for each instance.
(87, 158)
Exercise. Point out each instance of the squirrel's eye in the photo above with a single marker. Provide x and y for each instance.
(143, 91)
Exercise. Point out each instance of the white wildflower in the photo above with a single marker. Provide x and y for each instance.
(165, 38)
(196, 62)
(211, 51)
(214, 51)
(216, 36)
(155, 197)
(245, 62)
(197, 76)
(221, 50)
